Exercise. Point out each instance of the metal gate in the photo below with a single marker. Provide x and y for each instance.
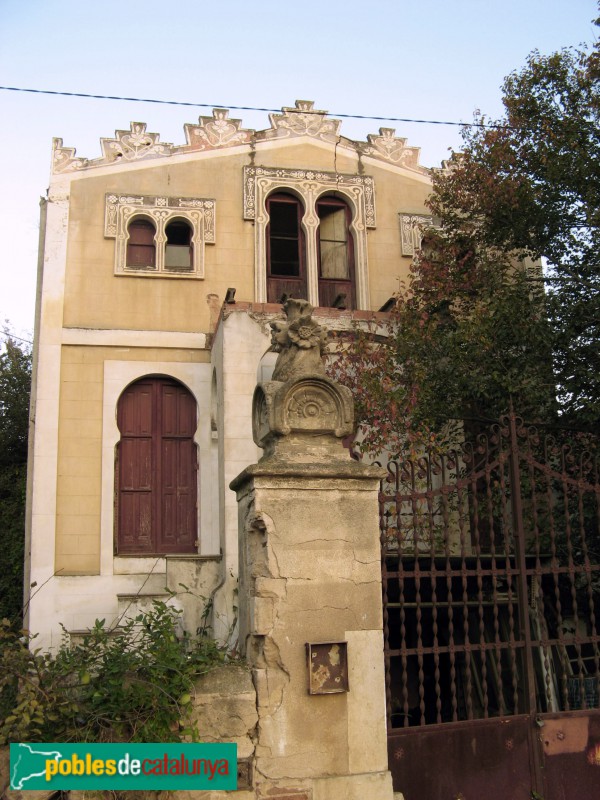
(491, 596)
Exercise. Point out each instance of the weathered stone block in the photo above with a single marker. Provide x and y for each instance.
(372, 785)
(225, 708)
(261, 615)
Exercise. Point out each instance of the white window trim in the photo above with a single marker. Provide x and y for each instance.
(199, 213)
(309, 186)
(197, 379)
(411, 231)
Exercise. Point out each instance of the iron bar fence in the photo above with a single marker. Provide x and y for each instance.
(491, 576)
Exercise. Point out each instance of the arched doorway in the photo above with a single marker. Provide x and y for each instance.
(156, 469)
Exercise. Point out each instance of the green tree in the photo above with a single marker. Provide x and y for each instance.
(15, 384)
(531, 187)
(480, 325)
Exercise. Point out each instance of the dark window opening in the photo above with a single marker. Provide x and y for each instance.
(141, 247)
(284, 238)
(285, 249)
(179, 248)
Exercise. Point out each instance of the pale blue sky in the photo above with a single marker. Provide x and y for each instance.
(426, 59)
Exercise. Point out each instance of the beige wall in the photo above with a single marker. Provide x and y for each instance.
(95, 297)
(394, 194)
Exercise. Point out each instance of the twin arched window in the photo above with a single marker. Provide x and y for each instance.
(141, 246)
(287, 263)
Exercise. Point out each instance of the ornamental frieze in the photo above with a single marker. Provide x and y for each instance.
(217, 131)
(258, 181)
(152, 205)
(134, 144)
(303, 120)
(220, 132)
(392, 148)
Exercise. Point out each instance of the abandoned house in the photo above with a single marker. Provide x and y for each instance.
(161, 269)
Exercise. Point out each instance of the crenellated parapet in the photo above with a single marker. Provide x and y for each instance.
(215, 132)
(391, 148)
(219, 132)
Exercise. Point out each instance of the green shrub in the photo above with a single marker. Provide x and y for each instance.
(131, 684)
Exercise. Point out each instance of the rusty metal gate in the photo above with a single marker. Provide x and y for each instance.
(491, 595)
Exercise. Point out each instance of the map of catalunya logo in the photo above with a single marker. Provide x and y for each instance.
(58, 766)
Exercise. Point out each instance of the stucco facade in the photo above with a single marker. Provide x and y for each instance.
(104, 325)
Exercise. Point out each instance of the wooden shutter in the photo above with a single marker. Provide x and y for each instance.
(141, 248)
(157, 469)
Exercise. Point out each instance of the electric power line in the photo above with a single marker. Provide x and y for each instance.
(8, 336)
(250, 108)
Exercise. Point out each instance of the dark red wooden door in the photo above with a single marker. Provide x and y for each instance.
(157, 469)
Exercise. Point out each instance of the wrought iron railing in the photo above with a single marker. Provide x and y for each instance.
(491, 577)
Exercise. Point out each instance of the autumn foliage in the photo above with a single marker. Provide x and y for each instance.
(502, 306)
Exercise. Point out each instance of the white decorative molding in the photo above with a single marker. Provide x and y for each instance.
(303, 120)
(392, 148)
(63, 158)
(200, 213)
(99, 337)
(217, 131)
(134, 144)
(310, 185)
(220, 132)
(411, 231)
(117, 376)
(305, 181)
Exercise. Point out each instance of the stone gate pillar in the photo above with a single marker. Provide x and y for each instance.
(310, 584)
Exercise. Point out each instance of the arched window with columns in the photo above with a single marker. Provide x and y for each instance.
(332, 213)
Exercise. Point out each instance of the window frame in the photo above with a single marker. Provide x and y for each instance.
(292, 285)
(153, 441)
(137, 222)
(332, 287)
(198, 213)
(358, 191)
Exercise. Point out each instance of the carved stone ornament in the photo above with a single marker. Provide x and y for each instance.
(411, 231)
(300, 399)
(303, 120)
(392, 148)
(300, 342)
(219, 131)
